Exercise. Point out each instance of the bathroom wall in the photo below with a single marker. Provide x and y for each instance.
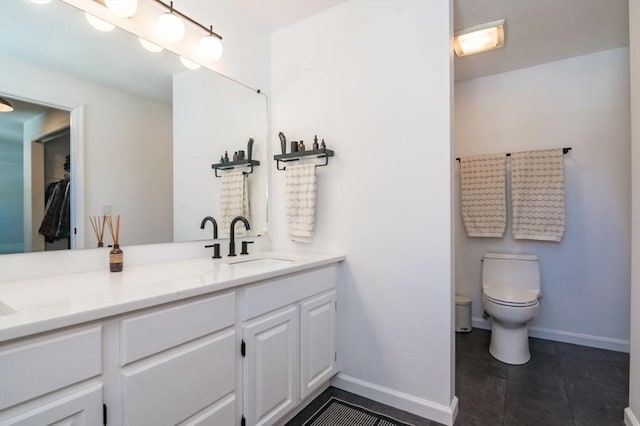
(111, 162)
(373, 79)
(583, 103)
(632, 414)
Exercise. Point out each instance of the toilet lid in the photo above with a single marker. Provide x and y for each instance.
(514, 296)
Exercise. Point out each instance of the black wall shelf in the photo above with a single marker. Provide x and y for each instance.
(235, 164)
(296, 156)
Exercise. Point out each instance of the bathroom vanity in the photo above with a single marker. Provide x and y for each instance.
(190, 342)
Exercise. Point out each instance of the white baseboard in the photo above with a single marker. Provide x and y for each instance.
(629, 418)
(566, 337)
(418, 406)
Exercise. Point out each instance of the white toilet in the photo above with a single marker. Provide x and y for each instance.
(510, 293)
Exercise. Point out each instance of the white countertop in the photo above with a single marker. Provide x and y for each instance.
(43, 304)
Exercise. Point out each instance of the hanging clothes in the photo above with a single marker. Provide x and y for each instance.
(56, 223)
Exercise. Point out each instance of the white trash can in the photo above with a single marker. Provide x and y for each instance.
(463, 314)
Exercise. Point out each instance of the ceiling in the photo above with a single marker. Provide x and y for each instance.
(273, 14)
(541, 31)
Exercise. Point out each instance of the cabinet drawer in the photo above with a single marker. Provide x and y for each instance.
(172, 388)
(267, 297)
(153, 332)
(43, 365)
(222, 412)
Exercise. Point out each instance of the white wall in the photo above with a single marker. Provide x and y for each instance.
(632, 414)
(583, 103)
(127, 152)
(373, 80)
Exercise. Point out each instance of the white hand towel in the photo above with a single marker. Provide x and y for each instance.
(483, 198)
(300, 184)
(234, 200)
(537, 195)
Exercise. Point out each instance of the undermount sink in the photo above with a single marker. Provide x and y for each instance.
(6, 310)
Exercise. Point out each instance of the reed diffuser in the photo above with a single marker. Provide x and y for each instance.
(115, 255)
(98, 223)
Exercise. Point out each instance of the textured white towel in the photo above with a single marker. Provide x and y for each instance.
(482, 183)
(537, 195)
(234, 200)
(300, 183)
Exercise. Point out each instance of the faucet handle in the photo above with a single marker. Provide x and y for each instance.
(216, 250)
(245, 246)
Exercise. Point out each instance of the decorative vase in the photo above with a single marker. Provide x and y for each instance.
(115, 259)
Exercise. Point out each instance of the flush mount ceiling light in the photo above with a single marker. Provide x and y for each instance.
(122, 8)
(98, 23)
(151, 47)
(5, 105)
(40, 1)
(479, 38)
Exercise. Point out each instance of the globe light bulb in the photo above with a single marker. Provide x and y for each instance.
(209, 48)
(189, 64)
(98, 23)
(170, 27)
(122, 8)
(151, 47)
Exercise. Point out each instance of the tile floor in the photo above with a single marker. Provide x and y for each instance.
(562, 385)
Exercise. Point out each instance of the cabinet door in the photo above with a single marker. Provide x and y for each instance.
(317, 342)
(271, 366)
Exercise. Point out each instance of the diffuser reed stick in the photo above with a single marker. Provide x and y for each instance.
(98, 223)
(115, 255)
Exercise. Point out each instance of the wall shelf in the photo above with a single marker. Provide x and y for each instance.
(235, 164)
(296, 156)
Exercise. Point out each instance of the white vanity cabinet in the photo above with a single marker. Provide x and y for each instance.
(53, 379)
(289, 342)
(178, 364)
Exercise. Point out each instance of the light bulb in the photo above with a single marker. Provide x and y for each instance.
(209, 48)
(170, 27)
(151, 47)
(189, 64)
(98, 23)
(122, 8)
(40, 1)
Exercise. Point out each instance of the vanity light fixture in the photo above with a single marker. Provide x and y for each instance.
(170, 27)
(189, 64)
(98, 23)
(122, 8)
(151, 47)
(210, 47)
(479, 38)
(5, 105)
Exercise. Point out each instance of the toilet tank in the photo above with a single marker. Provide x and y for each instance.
(516, 270)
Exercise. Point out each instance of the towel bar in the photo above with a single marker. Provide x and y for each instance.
(508, 154)
(296, 156)
(234, 164)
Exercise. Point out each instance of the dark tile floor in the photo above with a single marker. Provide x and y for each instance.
(562, 385)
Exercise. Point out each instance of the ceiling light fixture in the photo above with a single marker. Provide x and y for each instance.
(40, 1)
(122, 8)
(98, 23)
(5, 105)
(479, 38)
(151, 47)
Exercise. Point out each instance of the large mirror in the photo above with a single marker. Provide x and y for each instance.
(142, 131)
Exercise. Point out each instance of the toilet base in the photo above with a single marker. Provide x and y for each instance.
(509, 343)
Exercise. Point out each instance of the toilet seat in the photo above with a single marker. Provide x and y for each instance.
(510, 296)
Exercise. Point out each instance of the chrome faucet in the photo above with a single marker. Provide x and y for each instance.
(216, 246)
(232, 232)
